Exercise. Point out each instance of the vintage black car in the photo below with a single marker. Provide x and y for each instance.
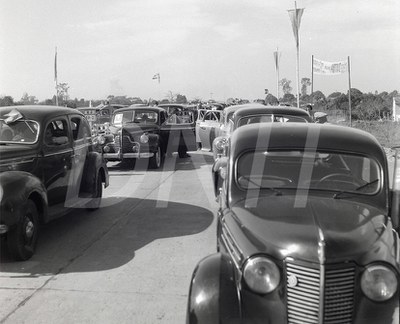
(150, 133)
(47, 167)
(307, 230)
(256, 113)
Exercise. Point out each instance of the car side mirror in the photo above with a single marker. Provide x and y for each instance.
(395, 191)
(219, 174)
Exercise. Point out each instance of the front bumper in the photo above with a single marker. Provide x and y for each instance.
(118, 156)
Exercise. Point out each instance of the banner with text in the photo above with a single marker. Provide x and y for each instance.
(329, 68)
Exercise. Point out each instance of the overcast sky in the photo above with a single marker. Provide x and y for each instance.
(201, 48)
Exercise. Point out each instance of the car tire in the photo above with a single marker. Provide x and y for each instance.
(95, 201)
(156, 159)
(22, 239)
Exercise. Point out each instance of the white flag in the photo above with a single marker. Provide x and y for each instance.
(329, 68)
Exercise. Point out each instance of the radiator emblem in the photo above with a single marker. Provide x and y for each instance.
(292, 281)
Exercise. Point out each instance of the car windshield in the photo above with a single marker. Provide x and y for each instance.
(21, 131)
(136, 116)
(338, 172)
(141, 116)
(269, 118)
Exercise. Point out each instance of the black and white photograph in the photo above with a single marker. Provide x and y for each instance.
(199, 162)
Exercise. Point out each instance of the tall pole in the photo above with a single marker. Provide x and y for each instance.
(295, 18)
(276, 58)
(312, 74)
(55, 75)
(348, 65)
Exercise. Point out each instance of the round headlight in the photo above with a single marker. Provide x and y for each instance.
(144, 138)
(379, 283)
(261, 275)
(220, 144)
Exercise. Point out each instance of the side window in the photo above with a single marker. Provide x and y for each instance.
(80, 128)
(56, 133)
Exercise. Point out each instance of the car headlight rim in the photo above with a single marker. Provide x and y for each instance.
(379, 282)
(261, 274)
(144, 138)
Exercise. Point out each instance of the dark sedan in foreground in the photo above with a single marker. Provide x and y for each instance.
(307, 230)
(47, 166)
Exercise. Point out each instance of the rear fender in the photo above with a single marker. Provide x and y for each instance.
(94, 167)
(213, 295)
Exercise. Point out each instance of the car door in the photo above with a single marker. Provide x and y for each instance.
(208, 128)
(81, 141)
(56, 162)
(200, 116)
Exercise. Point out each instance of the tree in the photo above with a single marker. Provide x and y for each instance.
(305, 83)
(286, 88)
(28, 100)
(181, 99)
(6, 101)
(62, 91)
(271, 100)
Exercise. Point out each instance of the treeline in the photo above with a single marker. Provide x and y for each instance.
(365, 106)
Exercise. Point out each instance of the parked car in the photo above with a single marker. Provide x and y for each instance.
(307, 230)
(207, 128)
(257, 113)
(215, 123)
(47, 167)
(149, 132)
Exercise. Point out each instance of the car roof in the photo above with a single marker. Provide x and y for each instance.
(299, 136)
(39, 112)
(292, 111)
(231, 109)
(134, 107)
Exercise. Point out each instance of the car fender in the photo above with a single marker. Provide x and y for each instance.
(16, 188)
(213, 295)
(154, 142)
(94, 166)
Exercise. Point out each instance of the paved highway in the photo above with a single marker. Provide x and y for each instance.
(129, 262)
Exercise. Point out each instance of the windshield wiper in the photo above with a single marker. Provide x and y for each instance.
(277, 192)
(337, 195)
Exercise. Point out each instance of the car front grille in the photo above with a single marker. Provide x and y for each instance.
(313, 293)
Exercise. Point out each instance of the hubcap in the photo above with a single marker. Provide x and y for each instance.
(29, 228)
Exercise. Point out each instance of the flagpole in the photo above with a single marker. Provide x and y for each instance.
(295, 18)
(312, 74)
(55, 76)
(297, 62)
(348, 65)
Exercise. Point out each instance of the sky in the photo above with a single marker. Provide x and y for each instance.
(203, 49)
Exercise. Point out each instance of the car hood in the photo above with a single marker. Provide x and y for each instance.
(346, 230)
(136, 128)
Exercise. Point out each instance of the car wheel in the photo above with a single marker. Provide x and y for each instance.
(21, 240)
(155, 161)
(95, 201)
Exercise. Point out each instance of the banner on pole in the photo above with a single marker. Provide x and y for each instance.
(329, 68)
(295, 18)
(277, 57)
(156, 77)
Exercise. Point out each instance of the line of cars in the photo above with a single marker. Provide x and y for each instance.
(53, 159)
(307, 225)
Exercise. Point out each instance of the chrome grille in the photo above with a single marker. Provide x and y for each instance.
(305, 300)
(339, 296)
(231, 246)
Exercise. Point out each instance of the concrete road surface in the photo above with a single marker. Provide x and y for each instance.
(129, 262)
